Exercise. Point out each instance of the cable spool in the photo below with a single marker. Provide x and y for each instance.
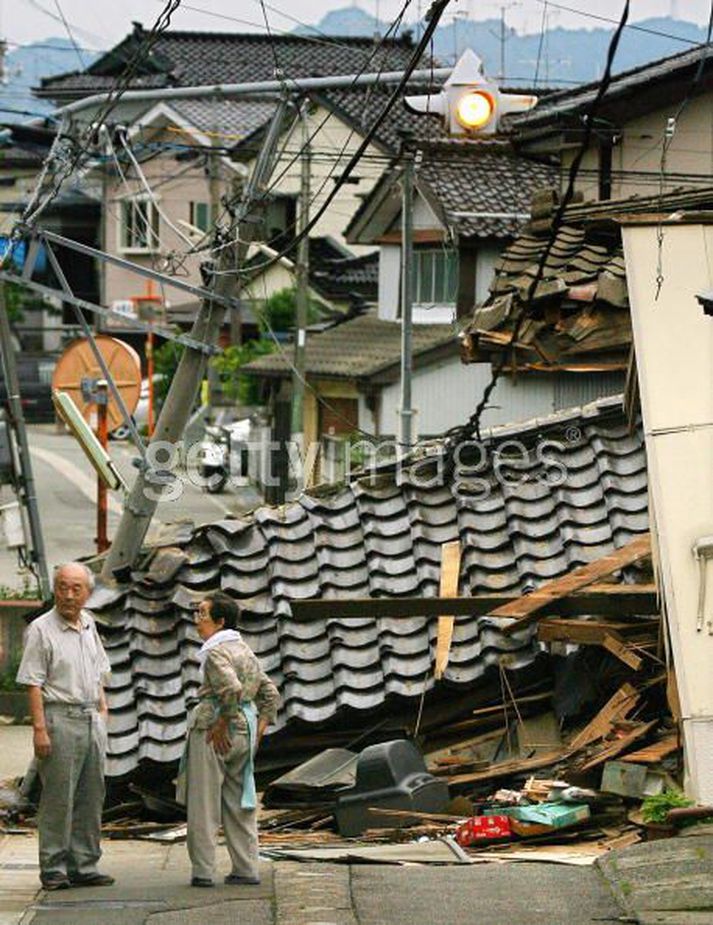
(77, 373)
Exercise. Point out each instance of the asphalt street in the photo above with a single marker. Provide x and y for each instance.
(66, 490)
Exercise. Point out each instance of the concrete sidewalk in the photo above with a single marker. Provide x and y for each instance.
(667, 882)
(152, 889)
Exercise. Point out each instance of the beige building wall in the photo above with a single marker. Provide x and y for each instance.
(690, 154)
(332, 147)
(175, 184)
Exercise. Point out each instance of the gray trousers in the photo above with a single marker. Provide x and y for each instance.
(69, 819)
(214, 787)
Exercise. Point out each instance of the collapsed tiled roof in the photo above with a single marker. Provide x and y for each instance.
(358, 348)
(579, 316)
(199, 58)
(579, 311)
(374, 537)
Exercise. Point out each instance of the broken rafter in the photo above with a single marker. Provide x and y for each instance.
(616, 708)
(594, 632)
(597, 600)
(528, 608)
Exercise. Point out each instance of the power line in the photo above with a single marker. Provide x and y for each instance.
(69, 34)
(607, 19)
(436, 11)
(472, 425)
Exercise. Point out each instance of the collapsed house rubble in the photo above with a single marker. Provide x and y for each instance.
(379, 537)
(473, 657)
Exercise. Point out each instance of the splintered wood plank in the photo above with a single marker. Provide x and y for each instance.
(450, 573)
(622, 652)
(616, 708)
(527, 608)
(506, 768)
(655, 752)
(618, 746)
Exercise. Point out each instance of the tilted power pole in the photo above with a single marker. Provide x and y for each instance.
(27, 494)
(144, 496)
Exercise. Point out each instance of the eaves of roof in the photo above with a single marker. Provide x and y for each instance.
(560, 108)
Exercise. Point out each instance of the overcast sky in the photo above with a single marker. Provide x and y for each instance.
(100, 23)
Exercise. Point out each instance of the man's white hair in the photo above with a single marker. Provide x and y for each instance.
(89, 574)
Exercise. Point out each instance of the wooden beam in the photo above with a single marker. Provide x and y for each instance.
(594, 632)
(622, 652)
(655, 752)
(450, 573)
(597, 600)
(529, 607)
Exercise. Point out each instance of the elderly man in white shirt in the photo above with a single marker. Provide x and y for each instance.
(63, 666)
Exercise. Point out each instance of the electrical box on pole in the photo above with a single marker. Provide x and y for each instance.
(470, 104)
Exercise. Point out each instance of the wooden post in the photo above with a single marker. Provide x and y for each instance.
(450, 573)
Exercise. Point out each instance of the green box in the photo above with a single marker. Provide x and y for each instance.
(558, 815)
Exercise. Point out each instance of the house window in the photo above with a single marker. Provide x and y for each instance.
(200, 215)
(435, 276)
(139, 225)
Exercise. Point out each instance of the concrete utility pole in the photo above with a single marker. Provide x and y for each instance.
(302, 281)
(406, 412)
(28, 495)
(141, 502)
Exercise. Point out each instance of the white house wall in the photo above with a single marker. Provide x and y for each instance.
(446, 394)
(674, 355)
(389, 281)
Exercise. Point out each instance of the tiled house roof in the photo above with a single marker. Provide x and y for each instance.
(358, 348)
(483, 189)
(375, 538)
(199, 58)
(477, 188)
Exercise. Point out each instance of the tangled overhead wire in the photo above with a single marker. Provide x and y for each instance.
(472, 426)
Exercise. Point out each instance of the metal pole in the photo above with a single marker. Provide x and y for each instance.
(102, 399)
(226, 91)
(302, 280)
(150, 376)
(406, 299)
(142, 500)
(17, 420)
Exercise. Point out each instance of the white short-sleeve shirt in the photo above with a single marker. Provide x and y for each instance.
(66, 660)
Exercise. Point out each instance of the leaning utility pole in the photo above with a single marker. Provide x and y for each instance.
(406, 413)
(302, 281)
(28, 496)
(143, 499)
